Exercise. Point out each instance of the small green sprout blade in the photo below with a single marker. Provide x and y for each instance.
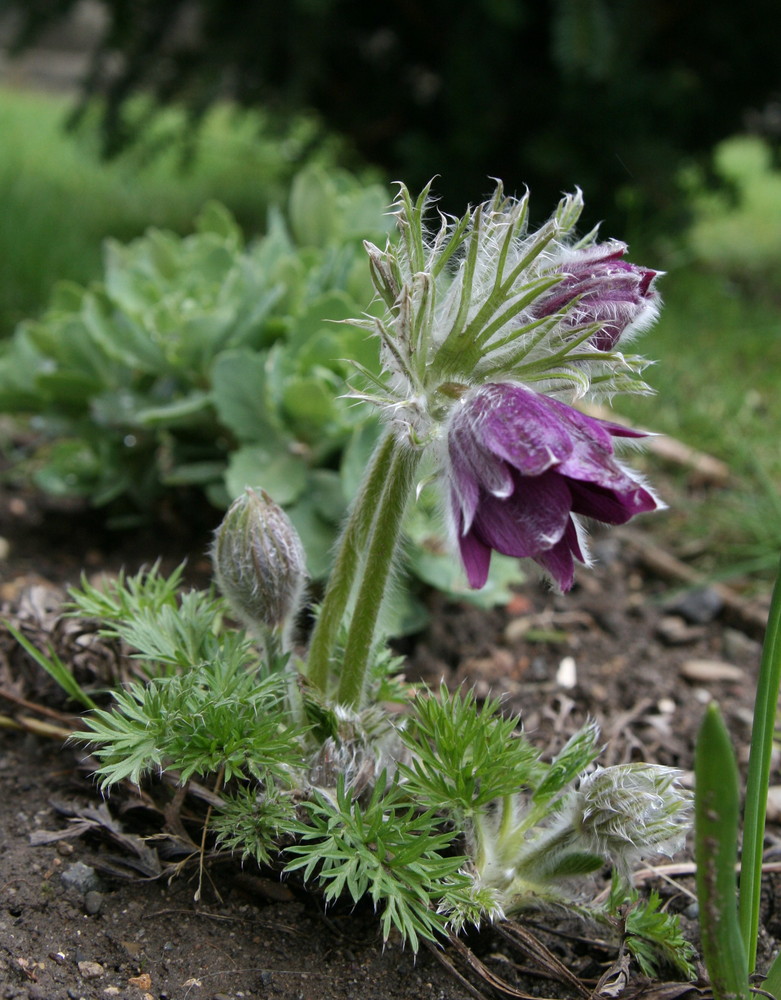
(772, 983)
(54, 666)
(717, 816)
(758, 777)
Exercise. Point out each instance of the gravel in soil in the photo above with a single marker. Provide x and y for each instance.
(68, 932)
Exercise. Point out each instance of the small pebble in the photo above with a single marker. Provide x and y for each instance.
(142, 982)
(737, 645)
(703, 671)
(91, 970)
(93, 901)
(80, 877)
(674, 631)
(567, 673)
(698, 606)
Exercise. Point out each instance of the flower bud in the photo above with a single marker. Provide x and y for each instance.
(259, 562)
(631, 810)
(599, 287)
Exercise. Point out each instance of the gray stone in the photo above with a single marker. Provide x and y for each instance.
(672, 630)
(81, 877)
(93, 901)
(698, 606)
(737, 646)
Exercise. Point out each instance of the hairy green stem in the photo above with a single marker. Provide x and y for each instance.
(347, 564)
(376, 569)
(758, 777)
(278, 650)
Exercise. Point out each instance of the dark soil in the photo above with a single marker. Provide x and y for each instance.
(624, 647)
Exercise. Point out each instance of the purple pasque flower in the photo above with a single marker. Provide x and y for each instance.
(522, 467)
(599, 287)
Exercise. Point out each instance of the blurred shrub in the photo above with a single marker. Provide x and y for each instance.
(613, 95)
(204, 362)
(61, 201)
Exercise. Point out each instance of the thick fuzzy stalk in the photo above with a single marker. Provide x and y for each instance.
(350, 554)
(376, 569)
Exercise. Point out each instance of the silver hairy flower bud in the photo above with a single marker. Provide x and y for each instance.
(631, 811)
(259, 562)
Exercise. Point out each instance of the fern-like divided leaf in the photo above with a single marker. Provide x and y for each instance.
(578, 752)
(122, 599)
(387, 850)
(652, 936)
(167, 631)
(218, 716)
(463, 756)
(254, 820)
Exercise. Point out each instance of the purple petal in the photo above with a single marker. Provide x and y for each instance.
(521, 464)
(473, 469)
(582, 429)
(521, 428)
(558, 561)
(611, 506)
(598, 287)
(476, 557)
(533, 519)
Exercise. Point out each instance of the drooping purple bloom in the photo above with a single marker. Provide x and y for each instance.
(610, 291)
(522, 467)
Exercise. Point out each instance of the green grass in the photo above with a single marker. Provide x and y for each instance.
(59, 201)
(742, 239)
(718, 346)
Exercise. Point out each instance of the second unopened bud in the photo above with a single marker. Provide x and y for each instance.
(259, 562)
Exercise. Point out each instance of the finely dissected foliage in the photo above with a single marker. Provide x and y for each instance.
(430, 841)
(653, 936)
(384, 848)
(465, 756)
